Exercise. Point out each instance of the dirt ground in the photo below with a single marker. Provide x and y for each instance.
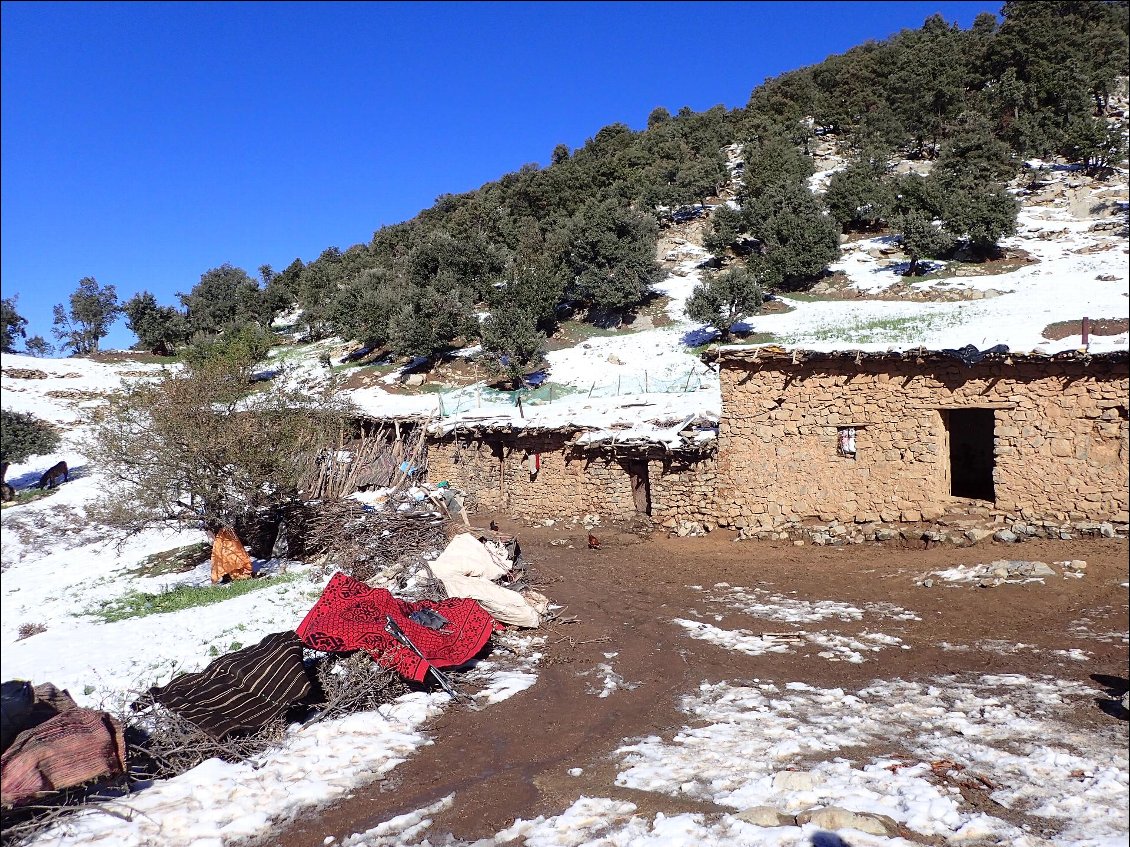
(511, 759)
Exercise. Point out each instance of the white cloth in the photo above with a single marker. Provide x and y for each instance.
(465, 555)
(504, 605)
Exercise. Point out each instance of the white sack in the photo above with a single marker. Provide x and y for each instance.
(465, 555)
(504, 605)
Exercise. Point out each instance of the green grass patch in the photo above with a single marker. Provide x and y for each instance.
(177, 560)
(138, 604)
(894, 330)
(28, 495)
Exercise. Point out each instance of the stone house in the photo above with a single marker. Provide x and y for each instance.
(537, 473)
(911, 436)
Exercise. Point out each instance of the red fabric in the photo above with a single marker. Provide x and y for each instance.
(351, 616)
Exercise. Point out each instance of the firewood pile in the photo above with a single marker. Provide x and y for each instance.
(382, 546)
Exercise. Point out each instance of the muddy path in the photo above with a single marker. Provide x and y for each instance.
(514, 758)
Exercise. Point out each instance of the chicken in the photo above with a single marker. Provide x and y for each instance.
(594, 542)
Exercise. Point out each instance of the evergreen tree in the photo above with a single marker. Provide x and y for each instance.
(159, 329)
(94, 308)
(725, 227)
(512, 342)
(798, 239)
(364, 308)
(920, 238)
(979, 214)
(225, 296)
(658, 116)
(12, 325)
(281, 291)
(1095, 144)
(39, 347)
(928, 87)
(724, 297)
(772, 161)
(611, 255)
(23, 435)
(860, 197)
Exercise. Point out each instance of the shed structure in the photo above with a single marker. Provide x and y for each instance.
(556, 473)
(910, 436)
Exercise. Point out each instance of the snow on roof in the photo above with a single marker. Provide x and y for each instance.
(727, 355)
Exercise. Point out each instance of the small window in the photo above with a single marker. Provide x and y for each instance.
(845, 441)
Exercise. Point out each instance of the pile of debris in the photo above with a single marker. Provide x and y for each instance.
(358, 647)
(1001, 571)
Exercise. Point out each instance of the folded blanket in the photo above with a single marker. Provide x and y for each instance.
(242, 690)
(352, 616)
(73, 747)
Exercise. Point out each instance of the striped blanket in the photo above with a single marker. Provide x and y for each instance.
(242, 690)
(71, 747)
(352, 616)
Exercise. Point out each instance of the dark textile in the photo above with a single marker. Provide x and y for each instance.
(970, 355)
(242, 690)
(352, 616)
(16, 700)
(73, 747)
(25, 706)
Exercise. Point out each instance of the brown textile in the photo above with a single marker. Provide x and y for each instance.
(242, 690)
(229, 559)
(73, 747)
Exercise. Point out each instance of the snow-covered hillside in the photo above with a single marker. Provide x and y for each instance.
(1070, 262)
(1067, 261)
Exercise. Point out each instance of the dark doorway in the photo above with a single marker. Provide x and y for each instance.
(641, 487)
(971, 461)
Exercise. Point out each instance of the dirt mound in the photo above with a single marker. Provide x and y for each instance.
(1099, 326)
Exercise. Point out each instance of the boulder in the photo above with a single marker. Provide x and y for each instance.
(765, 816)
(975, 535)
(1035, 569)
(1005, 536)
(836, 818)
(795, 781)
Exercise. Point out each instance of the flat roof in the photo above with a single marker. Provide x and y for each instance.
(969, 355)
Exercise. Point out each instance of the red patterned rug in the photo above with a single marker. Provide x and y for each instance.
(352, 616)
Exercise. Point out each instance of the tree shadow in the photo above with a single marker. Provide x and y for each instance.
(698, 337)
(31, 478)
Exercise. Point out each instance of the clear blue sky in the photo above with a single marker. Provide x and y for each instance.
(145, 143)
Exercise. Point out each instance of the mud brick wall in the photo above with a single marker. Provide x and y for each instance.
(1059, 439)
(571, 481)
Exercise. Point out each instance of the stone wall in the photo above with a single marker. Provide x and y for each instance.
(1059, 439)
(573, 481)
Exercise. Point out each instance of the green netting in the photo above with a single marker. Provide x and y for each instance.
(460, 400)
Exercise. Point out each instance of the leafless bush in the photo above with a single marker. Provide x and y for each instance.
(355, 683)
(23, 824)
(196, 446)
(27, 630)
(162, 744)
